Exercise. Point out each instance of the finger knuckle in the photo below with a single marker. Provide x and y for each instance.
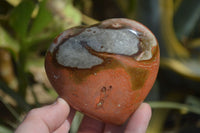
(33, 113)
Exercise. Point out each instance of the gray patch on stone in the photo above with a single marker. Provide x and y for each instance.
(117, 41)
(52, 47)
(72, 54)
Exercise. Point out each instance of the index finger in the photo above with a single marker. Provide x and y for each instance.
(45, 119)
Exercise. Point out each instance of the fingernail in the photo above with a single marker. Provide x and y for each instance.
(61, 101)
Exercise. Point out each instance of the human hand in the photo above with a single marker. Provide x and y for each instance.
(58, 117)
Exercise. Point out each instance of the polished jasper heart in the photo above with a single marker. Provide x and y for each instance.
(104, 70)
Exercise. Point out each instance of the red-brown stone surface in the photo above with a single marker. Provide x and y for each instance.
(114, 88)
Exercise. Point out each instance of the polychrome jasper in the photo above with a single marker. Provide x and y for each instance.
(104, 70)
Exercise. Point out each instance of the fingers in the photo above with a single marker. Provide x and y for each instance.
(45, 119)
(139, 121)
(71, 115)
(53, 118)
(90, 125)
(64, 128)
(109, 128)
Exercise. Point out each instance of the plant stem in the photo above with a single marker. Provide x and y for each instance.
(20, 101)
(76, 122)
(89, 21)
(21, 65)
(174, 105)
(11, 110)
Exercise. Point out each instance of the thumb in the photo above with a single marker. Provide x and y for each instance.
(45, 119)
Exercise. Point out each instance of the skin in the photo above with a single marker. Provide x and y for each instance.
(38, 120)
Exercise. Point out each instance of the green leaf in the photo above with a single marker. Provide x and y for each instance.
(76, 122)
(186, 17)
(4, 129)
(72, 13)
(20, 101)
(65, 15)
(192, 100)
(5, 7)
(186, 67)
(174, 105)
(6, 41)
(43, 18)
(20, 17)
(11, 110)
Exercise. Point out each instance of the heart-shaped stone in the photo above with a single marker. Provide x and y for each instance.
(104, 70)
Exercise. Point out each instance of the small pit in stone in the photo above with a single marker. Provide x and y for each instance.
(100, 103)
(89, 30)
(103, 89)
(110, 86)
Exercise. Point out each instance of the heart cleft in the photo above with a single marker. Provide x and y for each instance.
(104, 70)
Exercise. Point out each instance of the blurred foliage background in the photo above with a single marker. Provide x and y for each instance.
(27, 28)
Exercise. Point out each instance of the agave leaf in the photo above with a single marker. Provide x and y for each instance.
(4, 129)
(76, 122)
(174, 47)
(7, 42)
(192, 100)
(89, 21)
(43, 18)
(186, 17)
(148, 13)
(14, 2)
(72, 13)
(177, 4)
(194, 44)
(157, 120)
(20, 101)
(11, 110)
(174, 105)
(5, 7)
(20, 17)
(186, 67)
(64, 13)
(128, 7)
(178, 60)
